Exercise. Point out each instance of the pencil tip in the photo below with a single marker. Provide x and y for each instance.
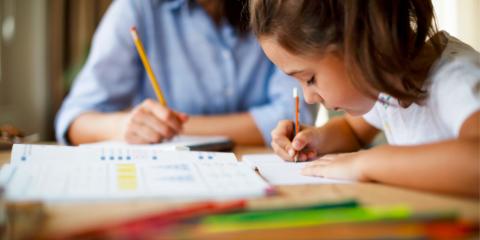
(295, 92)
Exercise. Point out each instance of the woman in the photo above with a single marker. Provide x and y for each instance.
(214, 75)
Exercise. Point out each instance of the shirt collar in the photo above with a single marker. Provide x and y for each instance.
(172, 4)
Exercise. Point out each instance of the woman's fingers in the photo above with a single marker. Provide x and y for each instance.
(143, 133)
(150, 122)
(169, 117)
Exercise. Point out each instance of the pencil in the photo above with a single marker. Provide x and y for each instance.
(148, 68)
(297, 113)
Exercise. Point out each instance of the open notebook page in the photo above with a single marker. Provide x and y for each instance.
(279, 172)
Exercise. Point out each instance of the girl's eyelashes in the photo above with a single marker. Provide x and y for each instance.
(311, 81)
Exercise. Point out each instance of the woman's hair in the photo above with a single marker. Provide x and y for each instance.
(234, 12)
(381, 41)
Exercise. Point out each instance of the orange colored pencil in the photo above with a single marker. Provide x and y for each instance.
(297, 115)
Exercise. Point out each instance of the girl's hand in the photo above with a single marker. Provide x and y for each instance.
(304, 143)
(151, 122)
(348, 166)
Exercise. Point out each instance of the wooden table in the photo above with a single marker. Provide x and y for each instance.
(68, 217)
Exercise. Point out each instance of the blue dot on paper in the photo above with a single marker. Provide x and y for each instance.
(23, 158)
(154, 157)
(112, 158)
(102, 158)
(129, 158)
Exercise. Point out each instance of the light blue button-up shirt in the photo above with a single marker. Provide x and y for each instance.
(203, 69)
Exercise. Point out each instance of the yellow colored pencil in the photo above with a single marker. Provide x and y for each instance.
(148, 68)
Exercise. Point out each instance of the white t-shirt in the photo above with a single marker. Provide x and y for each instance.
(453, 96)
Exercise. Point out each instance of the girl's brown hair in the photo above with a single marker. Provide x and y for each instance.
(381, 41)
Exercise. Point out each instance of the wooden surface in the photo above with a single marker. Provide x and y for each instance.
(69, 217)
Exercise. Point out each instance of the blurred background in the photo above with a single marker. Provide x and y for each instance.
(43, 44)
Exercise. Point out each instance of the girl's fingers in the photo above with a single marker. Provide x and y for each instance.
(329, 156)
(281, 140)
(284, 128)
(316, 171)
(285, 144)
(281, 152)
(319, 162)
(311, 154)
(302, 139)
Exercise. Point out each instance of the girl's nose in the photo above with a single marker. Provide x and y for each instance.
(311, 97)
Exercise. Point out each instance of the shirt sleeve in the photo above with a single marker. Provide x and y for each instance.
(456, 93)
(280, 106)
(112, 72)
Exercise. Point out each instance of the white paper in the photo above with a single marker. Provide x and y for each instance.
(58, 173)
(27, 153)
(279, 172)
(177, 143)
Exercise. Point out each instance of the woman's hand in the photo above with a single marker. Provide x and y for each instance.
(348, 166)
(151, 122)
(304, 144)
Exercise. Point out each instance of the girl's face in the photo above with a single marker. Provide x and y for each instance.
(323, 79)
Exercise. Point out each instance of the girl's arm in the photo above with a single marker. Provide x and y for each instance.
(448, 166)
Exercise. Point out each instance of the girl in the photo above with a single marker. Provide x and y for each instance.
(383, 63)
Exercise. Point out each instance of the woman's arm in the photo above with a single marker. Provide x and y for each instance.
(240, 127)
(143, 125)
(95, 126)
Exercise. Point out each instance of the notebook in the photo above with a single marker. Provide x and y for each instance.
(61, 173)
(279, 172)
(178, 143)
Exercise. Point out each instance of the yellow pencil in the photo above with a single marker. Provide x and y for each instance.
(148, 68)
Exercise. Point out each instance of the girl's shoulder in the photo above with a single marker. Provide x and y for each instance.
(457, 61)
(457, 67)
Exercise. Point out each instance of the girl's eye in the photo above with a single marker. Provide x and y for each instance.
(311, 81)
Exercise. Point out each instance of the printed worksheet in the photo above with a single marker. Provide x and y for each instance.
(58, 173)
